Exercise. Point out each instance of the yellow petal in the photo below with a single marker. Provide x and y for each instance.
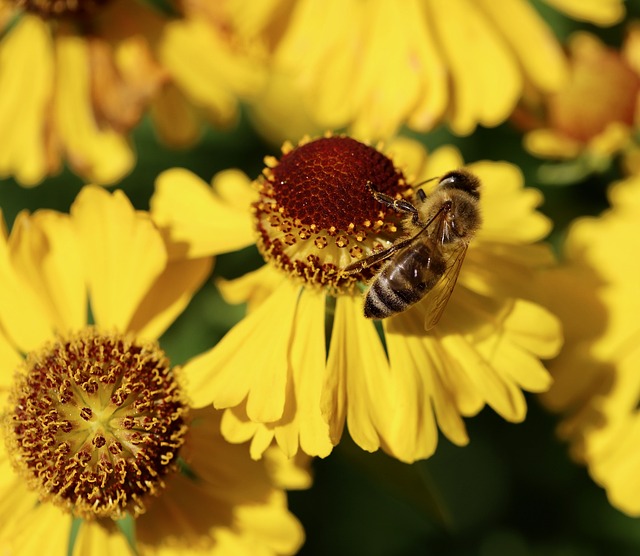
(213, 82)
(278, 114)
(288, 473)
(358, 370)
(600, 12)
(545, 65)
(308, 358)
(252, 288)
(123, 254)
(486, 78)
(302, 424)
(325, 82)
(199, 218)
(236, 427)
(441, 161)
(19, 507)
(169, 296)
(251, 361)
(399, 47)
(46, 254)
(23, 317)
(551, 144)
(508, 209)
(99, 153)
(175, 120)
(94, 538)
(501, 394)
(413, 434)
(9, 360)
(25, 100)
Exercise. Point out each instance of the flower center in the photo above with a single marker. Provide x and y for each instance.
(95, 423)
(59, 8)
(316, 213)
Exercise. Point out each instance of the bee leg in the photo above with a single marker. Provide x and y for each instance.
(400, 205)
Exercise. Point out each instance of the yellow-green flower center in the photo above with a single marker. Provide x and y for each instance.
(60, 8)
(95, 422)
(316, 213)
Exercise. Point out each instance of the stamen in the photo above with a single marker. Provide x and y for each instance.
(316, 214)
(96, 421)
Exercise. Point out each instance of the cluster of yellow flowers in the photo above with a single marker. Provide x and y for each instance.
(107, 448)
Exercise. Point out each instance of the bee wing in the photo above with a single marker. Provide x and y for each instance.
(362, 264)
(436, 299)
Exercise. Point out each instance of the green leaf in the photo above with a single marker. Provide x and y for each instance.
(127, 526)
(409, 482)
(73, 534)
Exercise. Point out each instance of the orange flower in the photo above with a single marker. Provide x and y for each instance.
(593, 116)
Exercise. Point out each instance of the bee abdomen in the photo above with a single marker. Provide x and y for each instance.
(382, 301)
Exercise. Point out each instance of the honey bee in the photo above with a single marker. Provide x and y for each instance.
(428, 262)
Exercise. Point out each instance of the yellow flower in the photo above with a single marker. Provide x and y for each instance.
(210, 62)
(594, 115)
(95, 68)
(394, 385)
(98, 438)
(373, 66)
(596, 379)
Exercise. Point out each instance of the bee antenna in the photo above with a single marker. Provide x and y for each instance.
(425, 181)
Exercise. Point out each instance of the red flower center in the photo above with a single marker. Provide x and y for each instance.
(316, 213)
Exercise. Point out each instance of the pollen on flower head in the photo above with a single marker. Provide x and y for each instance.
(316, 213)
(59, 8)
(95, 423)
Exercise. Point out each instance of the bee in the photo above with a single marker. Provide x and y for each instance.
(428, 262)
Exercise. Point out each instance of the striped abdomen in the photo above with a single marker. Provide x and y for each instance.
(404, 280)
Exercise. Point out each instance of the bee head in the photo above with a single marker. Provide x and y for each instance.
(463, 180)
(463, 217)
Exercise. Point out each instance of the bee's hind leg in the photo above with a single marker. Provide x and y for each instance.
(400, 205)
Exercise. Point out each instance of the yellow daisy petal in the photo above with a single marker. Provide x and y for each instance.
(214, 82)
(421, 395)
(356, 354)
(307, 362)
(214, 376)
(169, 296)
(25, 155)
(94, 538)
(19, 506)
(485, 93)
(18, 305)
(9, 360)
(550, 143)
(253, 287)
(123, 253)
(508, 209)
(101, 154)
(502, 395)
(600, 12)
(545, 65)
(175, 120)
(191, 210)
(46, 254)
(290, 473)
(441, 161)
(417, 77)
